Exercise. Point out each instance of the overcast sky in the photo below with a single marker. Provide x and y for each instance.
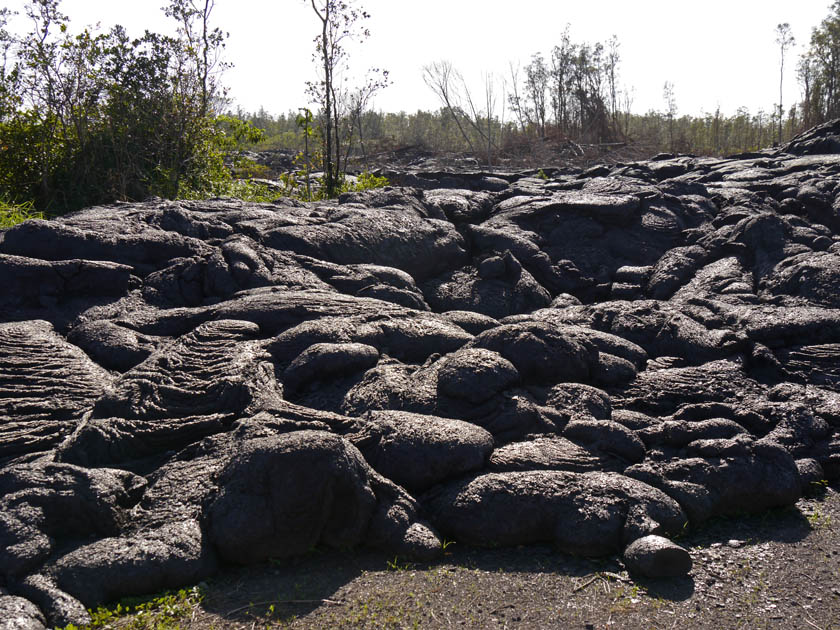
(715, 52)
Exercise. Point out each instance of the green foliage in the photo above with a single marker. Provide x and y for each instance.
(245, 168)
(96, 117)
(11, 214)
(209, 176)
(817, 70)
(294, 186)
(233, 133)
(368, 181)
(163, 612)
(818, 519)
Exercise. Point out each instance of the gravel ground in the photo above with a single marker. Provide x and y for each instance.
(776, 570)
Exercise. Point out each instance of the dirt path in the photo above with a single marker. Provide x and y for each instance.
(777, 570)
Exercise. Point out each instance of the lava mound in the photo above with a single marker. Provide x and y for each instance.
(594, 360)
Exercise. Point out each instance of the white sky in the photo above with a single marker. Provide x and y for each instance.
(715, 52)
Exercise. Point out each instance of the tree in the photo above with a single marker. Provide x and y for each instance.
(490, 105)
(670, 111)
(455, 96)
(359, 100)
(94, 117)
(479, 118)
(562, 59)
(627, 104)
(821, 69)
(340, 21)
(304, 121)
(785, 39)
(202, 45)
(441, 78)
(536, 85)
(805, 72)
(515, 100)
(611, 70)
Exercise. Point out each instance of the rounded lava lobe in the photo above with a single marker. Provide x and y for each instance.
(618, 350)
(542, 352)
(582, 513)
(417, 451)
(475, 374)
(280, 496)
(322, 361)
(577, 398)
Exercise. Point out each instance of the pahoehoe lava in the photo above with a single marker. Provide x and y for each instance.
(593, 360)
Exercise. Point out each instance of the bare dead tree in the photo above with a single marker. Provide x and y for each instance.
(515, 101)
(339, 21)
(477, 116)
(785, 39)
(805, 72)
(441, 78)
(611, 70)
(359, 100)
(627, 98)
(671, 111)
(490, 106)
(536, 84)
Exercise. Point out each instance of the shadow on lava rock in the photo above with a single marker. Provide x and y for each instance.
(502, 360)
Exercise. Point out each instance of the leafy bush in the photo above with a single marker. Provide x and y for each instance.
(367, 181)
(132, 118)
(292, 185)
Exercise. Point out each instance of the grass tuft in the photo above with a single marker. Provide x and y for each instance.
(11, 214)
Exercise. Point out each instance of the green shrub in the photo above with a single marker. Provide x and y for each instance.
(133, 119)
(367, 181)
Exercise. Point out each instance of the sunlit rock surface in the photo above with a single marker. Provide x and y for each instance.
(500, 359)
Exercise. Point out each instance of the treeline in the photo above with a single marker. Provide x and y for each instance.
(94, 117)
(571, 102)
(819, 72)
(574, 93)
(645, 135)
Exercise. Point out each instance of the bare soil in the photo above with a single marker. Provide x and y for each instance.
(776, 570)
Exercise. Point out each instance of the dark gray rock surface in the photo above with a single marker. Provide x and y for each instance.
(584, 361)
(656, 557)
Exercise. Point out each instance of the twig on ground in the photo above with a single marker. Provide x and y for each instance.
(495, 610)
(808, 619)
(283, 601)
(584, 585)
(615, 576)
(605, 576)
(812, 624)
